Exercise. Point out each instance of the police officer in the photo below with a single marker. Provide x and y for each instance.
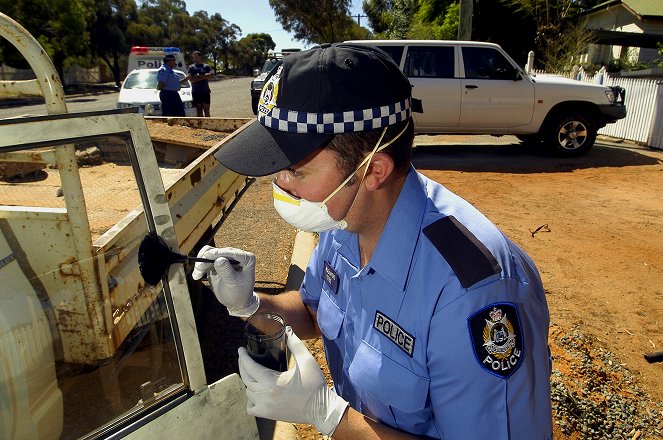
(434, 323)
(169, 84)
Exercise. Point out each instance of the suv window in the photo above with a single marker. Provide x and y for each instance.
(269, 65)
(430, 62)
(486, 63)
(396, 52)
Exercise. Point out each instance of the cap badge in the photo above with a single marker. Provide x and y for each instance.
(269, 93)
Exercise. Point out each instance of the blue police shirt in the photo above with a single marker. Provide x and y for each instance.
(444, 333)
(168, 76)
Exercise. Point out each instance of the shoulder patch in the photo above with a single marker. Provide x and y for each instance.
(470, 260)
(497, 338)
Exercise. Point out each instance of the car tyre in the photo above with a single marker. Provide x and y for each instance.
(254, 104)
(570, 135)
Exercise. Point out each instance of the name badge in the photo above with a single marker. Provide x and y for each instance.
(394, 332)
(330, 277)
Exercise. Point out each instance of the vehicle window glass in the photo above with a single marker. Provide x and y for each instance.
(100, 340)
(181, 76)
(141, 80)
(396, 52)
(486, 63)
(269, 65)
(430, 62)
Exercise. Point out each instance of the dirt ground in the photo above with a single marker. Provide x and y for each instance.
(593, 225)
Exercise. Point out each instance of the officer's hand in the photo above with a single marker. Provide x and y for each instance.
(299, 395)
(232, 284)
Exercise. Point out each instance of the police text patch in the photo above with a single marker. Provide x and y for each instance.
(394, 332)
(330, 277)
(497, 338)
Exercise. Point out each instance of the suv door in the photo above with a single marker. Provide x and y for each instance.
(433, 75)
(494, 92)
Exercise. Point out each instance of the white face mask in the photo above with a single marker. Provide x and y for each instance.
(314, 216)
(304, 215)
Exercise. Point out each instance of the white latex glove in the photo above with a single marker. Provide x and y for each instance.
(299, 395)
(232, 285)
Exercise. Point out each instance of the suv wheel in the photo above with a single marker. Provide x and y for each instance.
(570, 135)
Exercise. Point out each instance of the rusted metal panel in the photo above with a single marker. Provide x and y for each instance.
(18, 89)
(32, 156)
(214, 124)
(110, 293)
(43, 243)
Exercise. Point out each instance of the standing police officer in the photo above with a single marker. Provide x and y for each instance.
(168, 84)
(434, 323)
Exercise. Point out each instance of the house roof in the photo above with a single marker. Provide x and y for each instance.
(641, 8)
(610, 38)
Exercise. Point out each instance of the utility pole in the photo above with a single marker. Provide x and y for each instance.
(465, 20)
(359, 18)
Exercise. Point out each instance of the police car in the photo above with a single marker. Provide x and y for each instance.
(139, 89)
(144, 57)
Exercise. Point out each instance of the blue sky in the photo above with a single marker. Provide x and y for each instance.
(255, 16)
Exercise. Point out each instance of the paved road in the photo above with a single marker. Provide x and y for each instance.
(230, 99)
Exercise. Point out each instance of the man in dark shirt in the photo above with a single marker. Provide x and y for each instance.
(200, 74)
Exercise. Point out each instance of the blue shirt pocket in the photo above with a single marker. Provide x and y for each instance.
(330, 316)
(387, 381)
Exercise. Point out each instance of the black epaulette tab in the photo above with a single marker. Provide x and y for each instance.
(470, 260)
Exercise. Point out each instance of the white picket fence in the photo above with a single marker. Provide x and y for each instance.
(644, 108)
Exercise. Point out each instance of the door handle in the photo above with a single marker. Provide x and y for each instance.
(471, 86)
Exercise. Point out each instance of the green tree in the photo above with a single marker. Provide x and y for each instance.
(402, 14)
(436, 20)
(560, 34)
(323, 21)
(158, 23)
(60, 26)
(251, 52)
(414, 19)
(378, 13)
(224, 35)
(108, 32)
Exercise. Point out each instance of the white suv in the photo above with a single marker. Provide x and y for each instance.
(475, 87)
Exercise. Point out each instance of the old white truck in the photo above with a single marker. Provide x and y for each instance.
(87, 349)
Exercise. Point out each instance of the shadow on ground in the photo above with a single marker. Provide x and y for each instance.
(518, 158)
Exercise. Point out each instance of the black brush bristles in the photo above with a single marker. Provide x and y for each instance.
(155, 257)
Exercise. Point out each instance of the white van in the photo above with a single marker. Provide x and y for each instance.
(143, 57)
(476, 87)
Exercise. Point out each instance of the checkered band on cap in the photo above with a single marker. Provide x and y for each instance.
(339, 122)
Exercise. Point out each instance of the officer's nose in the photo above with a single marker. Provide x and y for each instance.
(284, 180)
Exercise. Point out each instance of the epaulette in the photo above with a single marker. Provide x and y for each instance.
(470, 260)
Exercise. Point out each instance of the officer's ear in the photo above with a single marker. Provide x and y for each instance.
(379, 170)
